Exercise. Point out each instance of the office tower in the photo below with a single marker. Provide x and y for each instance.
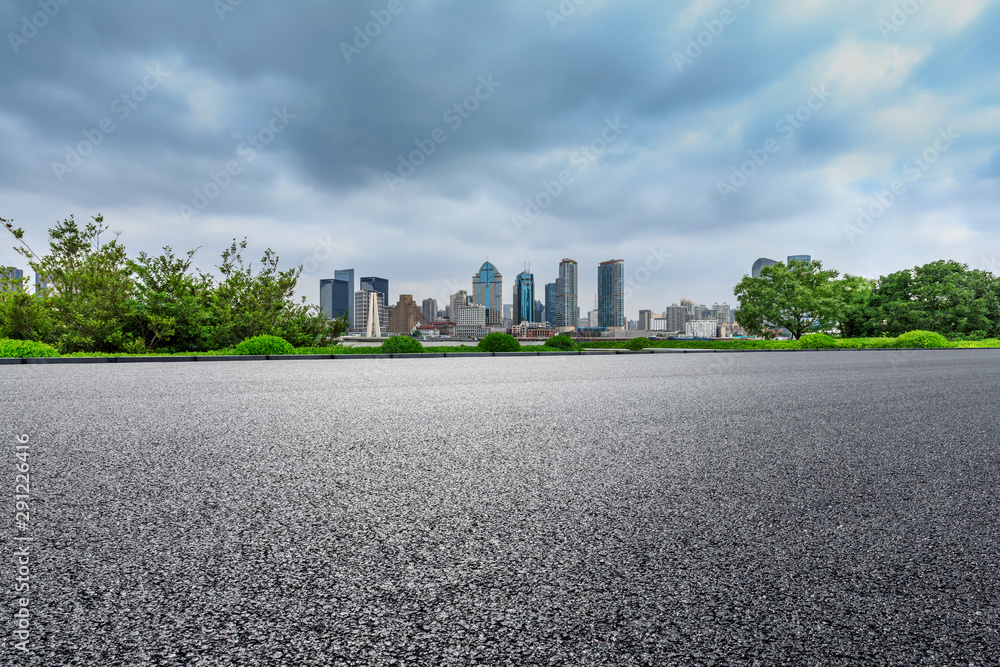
(459, 299)
(379, 285)
(470, 321)
(722, 313)
(335, 299)
(524, 298)
(611, 294)
(8, 276)
(567, 310)
(405, 315)
(645, 319)
(760, 264)
(363, 313)
(428, 310)
(40, 283)
(487, 290)
(347, 275)
(676, 316)
(550, 304)
(800, 258)
(539, 314)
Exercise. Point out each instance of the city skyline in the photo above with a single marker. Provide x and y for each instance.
(653, 132)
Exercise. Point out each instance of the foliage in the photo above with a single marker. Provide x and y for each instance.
(636, 344)
(942, 296)
(801, 297)
(562, 342)
(264, 345)
(499, 342)
(920, 339)
(23, 316)
(401, 344)
(25, 348)
(817, 341)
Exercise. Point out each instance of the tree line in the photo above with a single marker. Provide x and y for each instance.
(944, 296)
(94, 298)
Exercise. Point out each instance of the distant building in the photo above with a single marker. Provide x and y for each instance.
(675, 317)
(760, 264)
(459, 299)
(405, 315)
(645, 318)
(532, 330)
(524, 298)
(487, 291)
(567, 310)
(611, 294)
(347, 275)
(471, 321)
(800, 258)
(550, 304)
(539, 315)
(429, 310)
(10, 274)
(378, 285)
(701, 328)
(335, 298)
(592, 319)
(369, 309)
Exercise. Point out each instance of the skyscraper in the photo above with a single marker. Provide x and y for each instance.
(405, 315)
(800, 258)
(429, 310)
(11, 274)
(459, 299)
(335, 299)
(369, 309)
(760, 264)
(379, 285)
(645, 319)
(347, 275)
(550, 304)
(487, 290)
(566, 295)
(524, 298)
(611, 294)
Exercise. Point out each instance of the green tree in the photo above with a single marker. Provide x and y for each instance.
(943, 296)
(23, 316)
(800, 296)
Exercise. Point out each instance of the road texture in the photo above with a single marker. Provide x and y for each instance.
(753, 508)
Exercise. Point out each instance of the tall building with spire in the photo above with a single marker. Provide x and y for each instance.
(487, 291)
(524, 298)
(566, 295)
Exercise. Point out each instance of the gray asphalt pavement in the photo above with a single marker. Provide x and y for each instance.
(792, 508)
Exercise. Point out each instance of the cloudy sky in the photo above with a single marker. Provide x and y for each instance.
(412, 140)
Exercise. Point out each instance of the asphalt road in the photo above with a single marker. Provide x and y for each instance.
(754, 508)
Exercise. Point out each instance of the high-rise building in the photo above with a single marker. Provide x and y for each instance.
(487, 290)
(675, 317)
(336, 298)
(567, 310)
(611, 294)
(800, 258)
(539, 315)
(347, 275)
(429, 310)
(524, 298)
(11, 274)
(688, 306)
(645, 319)
(405, 315)
(378, 285)
(470, 321)
(459, 299)
(760, 264)
(368, 311)
(550, 304)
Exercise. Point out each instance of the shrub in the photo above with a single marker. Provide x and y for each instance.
(636, 344)
(562, 342)
(499, 342)
(817, 341)
(401, 344)
(265, 345)
(920, 339)
(25, 348)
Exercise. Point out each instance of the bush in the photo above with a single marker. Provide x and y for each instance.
(265, 345)
(920, 339)
(25, 348)
(499, 342)
(817, 341)
(636, 344)
(562, 342)
(401, 344)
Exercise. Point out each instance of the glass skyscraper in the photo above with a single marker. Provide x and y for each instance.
(611, 294)
(524, 298)
(379, 285)
(487, 290)
(550, 304)
(566, 294)
(347, 275)
(335, 298)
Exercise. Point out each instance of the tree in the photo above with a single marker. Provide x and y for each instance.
(800, 296)
(943, 296)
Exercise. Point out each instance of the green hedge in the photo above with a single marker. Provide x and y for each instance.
(25, 348)
(265, 345)
(400, 345)
(499, 342)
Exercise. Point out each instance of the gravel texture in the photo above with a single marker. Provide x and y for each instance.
(806, 508)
